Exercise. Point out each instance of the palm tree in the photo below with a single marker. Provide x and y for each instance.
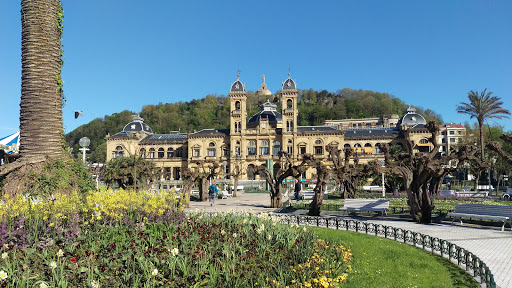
(483, 106)
(41, 127)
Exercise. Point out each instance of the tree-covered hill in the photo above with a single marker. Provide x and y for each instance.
(213, 112)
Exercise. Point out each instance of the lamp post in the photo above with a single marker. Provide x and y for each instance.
(383, 164)
(84, 142)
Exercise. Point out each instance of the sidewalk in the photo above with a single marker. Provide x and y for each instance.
(488, 243)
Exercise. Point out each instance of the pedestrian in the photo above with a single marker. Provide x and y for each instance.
(212, 194)
(297, 189)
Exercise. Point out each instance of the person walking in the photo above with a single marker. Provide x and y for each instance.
(297, 189)
(212, 194)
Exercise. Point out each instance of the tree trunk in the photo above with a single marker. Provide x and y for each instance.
(276, 197)
(203, 189)
(420, 202)
(350, 190)
(235, 186)
(185, 193)
(316, 205)
(41, 104)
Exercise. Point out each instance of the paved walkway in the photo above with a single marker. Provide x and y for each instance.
(488, 243)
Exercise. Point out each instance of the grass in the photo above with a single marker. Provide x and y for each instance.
(379, 262)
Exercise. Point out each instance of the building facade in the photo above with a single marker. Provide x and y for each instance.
(258, 139)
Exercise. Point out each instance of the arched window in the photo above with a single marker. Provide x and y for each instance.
(289, 104)
(237, 105)
(377, 148)
(119, 152)
(251, 148)
(142, 153)
(264, 147)
(179, 152)
(424, 141)
(302, 148)
(170, 152)
(212, 144)
(151, 153)
(161, 153)
(368, 148)
(196, 151)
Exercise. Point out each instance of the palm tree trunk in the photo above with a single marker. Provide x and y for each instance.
(41, 129)
(481, 128)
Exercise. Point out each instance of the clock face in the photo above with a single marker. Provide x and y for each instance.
(237, 86)
(263, 125)
(289, 84)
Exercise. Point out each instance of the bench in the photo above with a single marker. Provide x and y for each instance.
(482, 211)
(225, 194)
(365, 205)
(238, 188)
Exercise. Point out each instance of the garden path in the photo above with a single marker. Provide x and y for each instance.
(489, 243)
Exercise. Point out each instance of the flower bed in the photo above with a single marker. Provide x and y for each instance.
(127, 239)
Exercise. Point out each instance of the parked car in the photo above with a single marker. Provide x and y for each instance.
(508, 195)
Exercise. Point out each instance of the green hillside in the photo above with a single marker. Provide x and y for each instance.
(213, 112)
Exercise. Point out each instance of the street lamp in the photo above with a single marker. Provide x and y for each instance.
(84, 142)
(383, 164)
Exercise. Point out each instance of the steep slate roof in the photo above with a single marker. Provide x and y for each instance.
(318, 129)
(373, 132)
(165, 138)
(211, 132)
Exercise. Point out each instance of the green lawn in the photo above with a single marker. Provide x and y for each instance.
(379, 262)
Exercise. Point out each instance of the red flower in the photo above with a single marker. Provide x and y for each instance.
(73, 260)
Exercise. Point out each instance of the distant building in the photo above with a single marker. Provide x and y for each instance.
(257, 140)
(450, 135)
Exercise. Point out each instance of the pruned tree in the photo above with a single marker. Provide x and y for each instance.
(202, 175)
(498, 147)
(288, 169)
(236, 173)
(346, 174)
(323, 176)
(131, 172)
(419, 169)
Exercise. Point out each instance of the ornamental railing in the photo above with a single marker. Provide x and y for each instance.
(458, 255)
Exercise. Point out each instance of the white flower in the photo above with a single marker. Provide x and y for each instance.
(245, 221)
(43, 285)
(234, 235)
(3, 275)
(304, 229)
(155, 272)
(5, 255)
(60, 253)
(175, 251)
(223, 232)
(53, 265)
(95, 284)
(269, 237)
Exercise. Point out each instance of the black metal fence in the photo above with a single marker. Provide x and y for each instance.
(454, 253)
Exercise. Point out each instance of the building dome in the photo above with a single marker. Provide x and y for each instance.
(268, 112)
(289, 84)
(137, 125)
(263, 91)
(237, 86)
(412, 118)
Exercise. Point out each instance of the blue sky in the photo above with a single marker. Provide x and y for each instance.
(126, 54)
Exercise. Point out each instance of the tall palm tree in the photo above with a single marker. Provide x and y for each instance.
(483, 106)
(41, 129)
